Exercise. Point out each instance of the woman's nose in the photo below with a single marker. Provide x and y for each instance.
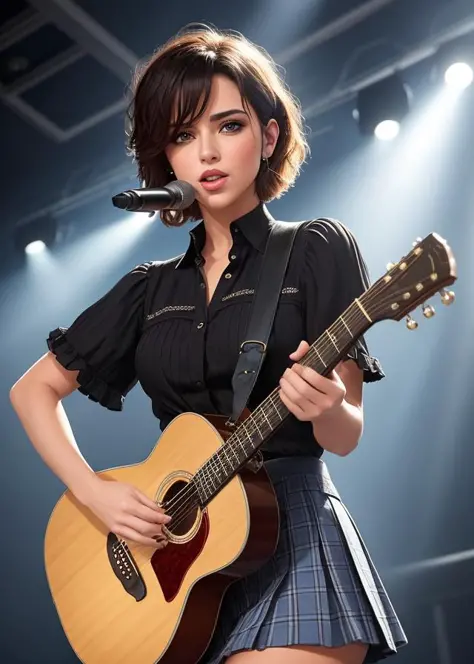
(208, 149)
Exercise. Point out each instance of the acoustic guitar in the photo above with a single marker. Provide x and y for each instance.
(124, 603)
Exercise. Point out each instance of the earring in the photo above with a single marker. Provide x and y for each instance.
(265, 162)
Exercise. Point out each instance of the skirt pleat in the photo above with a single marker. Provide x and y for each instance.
(319, 588)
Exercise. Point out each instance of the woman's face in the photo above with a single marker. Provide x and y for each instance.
(227, 139)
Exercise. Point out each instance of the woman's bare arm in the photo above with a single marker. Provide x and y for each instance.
(36, 398)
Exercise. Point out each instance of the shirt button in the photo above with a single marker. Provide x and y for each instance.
(200, 325)
(233, 257)
(198, 383)
(228, 275)
(202, 284)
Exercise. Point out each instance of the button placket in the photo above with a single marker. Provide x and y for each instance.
(199, 327)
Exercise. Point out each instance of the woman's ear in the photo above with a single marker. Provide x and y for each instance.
(270, 137)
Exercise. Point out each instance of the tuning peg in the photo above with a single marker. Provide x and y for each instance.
(428, 311)
(411, 323)
(447, 297)
(417, 241)
(390, 265)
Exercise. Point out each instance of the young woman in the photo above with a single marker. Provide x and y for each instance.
(210, 108)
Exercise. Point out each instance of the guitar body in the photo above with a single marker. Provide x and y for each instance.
(135, 604)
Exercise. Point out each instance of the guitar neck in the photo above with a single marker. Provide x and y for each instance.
(252, 433)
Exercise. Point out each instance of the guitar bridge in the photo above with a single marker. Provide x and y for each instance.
(124, 567)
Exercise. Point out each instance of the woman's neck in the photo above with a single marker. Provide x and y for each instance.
(217, 224)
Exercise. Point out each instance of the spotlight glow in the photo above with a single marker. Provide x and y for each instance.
(387, 130)
(459, 75)
(36, 247)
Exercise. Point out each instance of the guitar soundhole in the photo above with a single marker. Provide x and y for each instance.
(178, 504)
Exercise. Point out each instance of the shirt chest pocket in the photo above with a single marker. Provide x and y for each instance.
(288, 295)
(170, 311)
(166, 345)
(172, 321)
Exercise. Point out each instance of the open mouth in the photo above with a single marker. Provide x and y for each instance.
(213, 178)
(214, 182)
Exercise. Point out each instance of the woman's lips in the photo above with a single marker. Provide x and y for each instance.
(214, 185)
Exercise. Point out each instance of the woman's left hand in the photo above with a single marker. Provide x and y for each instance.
(306, 393)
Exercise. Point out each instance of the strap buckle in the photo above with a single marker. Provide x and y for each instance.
(252, 341)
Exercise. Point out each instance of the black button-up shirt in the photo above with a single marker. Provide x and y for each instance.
(154, 326)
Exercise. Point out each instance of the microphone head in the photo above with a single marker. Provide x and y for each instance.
(184, 192)
(122, 200)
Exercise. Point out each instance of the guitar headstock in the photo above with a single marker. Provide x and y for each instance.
(429, 268)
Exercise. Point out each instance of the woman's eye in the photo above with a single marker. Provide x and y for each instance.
(235, 126)
(230, 128)
(180, 135)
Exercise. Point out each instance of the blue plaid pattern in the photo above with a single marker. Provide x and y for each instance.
(319, 588)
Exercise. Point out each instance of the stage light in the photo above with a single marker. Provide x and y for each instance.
(459, 75)
(382, 107)
(387, 130)
(33, 238)
(35, 247)
(454, 64)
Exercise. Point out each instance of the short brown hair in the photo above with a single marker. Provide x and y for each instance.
(180, 72)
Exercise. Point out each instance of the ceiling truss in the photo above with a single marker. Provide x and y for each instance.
(92, 39)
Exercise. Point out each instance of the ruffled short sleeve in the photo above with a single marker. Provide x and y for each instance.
(335, 274)
(101, 342)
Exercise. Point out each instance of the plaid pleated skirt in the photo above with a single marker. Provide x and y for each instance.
(319, 588)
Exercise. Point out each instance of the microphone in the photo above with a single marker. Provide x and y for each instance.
(177, 195)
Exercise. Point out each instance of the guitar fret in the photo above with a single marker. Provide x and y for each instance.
(318, 354)
(275, 407)
(199, 486)
(363, 310)
(231, 447)
(346, 326)
(224, 452)
(211, 478)
(206, 485)
(247, 434)
(331, 339)
(262, 410)
(221, 453)
(256, 426)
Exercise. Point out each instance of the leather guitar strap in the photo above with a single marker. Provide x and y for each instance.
(265, 301)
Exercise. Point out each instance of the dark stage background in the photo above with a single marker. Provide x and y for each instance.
(409, 484)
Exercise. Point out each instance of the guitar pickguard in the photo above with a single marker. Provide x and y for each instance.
(171, 563)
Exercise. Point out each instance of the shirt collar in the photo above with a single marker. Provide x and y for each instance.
(254, 226)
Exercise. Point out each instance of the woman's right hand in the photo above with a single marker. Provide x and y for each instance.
(128, 513)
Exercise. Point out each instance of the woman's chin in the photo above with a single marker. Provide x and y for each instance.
(219, 200)
(223, 200)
